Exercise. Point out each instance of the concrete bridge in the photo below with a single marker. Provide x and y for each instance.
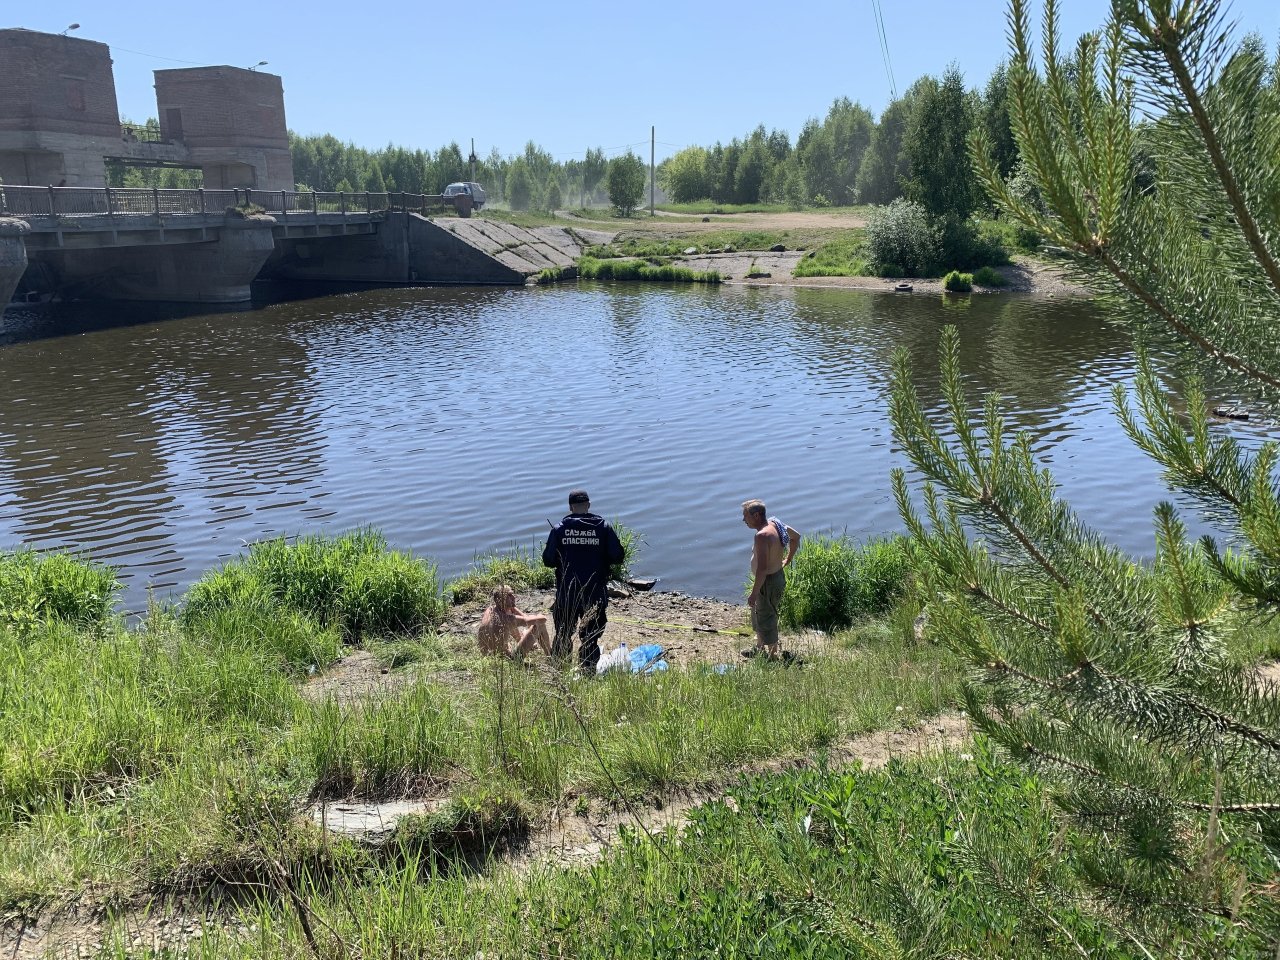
(209, 245)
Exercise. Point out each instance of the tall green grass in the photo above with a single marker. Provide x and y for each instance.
(352, 581)
(37, 588)
(592, 269)
(834, 582)
(842, 257)
(820, 865)
(163, 756)
(547, 735)
(125, 753)
(519, 568)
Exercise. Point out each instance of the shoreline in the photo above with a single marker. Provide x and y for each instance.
(1025, 275)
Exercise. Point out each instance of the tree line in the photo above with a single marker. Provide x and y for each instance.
(915, 149)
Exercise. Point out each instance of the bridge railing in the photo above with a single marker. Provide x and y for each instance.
(53, 202)
(320, 201)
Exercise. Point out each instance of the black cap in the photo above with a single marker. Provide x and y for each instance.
(578, 496)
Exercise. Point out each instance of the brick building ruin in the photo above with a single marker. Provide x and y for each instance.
(60, 123)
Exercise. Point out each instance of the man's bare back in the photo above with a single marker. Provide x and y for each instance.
(503, 623)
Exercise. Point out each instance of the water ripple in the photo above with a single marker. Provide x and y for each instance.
(456, 420)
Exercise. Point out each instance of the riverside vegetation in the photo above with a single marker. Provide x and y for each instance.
(154, 760)
(181, 757)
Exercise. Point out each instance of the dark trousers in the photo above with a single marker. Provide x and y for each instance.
(570, 618)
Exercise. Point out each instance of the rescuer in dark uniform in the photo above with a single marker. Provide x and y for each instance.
(581, 548)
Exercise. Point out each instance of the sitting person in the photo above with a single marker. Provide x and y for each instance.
(503, 622)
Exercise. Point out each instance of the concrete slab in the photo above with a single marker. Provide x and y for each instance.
(367, 820)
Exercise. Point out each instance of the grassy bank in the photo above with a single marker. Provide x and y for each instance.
(183, 758)
(154, 759)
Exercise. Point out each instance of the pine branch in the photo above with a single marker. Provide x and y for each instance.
(1111, 782)
(1169, 41)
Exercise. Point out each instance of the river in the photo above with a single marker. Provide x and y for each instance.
(456, 420)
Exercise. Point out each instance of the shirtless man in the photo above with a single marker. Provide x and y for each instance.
(504, 622)
(773, 548)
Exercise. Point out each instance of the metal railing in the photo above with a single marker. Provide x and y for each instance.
(136, 133)
(53, 202)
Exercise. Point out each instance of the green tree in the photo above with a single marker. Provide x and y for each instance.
(752, 170)
(940, 177)
(884, 164)
(551, 198)
(831, 152)
(626, 182)
(594, 167)
(519, 186)
(683, 176)
(373, 181)
(1107, 677)
(995, 121)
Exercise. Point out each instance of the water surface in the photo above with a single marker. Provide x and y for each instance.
(457, 419)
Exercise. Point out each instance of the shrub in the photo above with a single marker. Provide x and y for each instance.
(38, 588)
(352, 581)
(902, 234)
(989, 277)
(834, 582)
(957, 282)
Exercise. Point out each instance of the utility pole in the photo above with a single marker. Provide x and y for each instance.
(472, 159)
(651, 179)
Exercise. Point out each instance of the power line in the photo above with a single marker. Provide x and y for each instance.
(884, 47)
(156, 56)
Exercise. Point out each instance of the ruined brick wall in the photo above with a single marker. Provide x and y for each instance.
(232, 121)
(56, 84)
(222, 106)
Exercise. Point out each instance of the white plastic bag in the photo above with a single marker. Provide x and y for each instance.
(619, 659)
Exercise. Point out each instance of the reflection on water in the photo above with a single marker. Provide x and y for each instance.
(456, 420)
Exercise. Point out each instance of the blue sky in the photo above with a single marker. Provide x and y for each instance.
(569, 76)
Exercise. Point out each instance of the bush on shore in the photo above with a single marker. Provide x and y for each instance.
(957, 282)
(989, 277)
(40, 588)
(902, 234)
(352, 581)
(834, 582)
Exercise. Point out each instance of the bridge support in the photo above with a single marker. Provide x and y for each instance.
(215, 271)
(13, 256)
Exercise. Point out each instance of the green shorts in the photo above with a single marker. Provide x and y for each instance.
(764, 615)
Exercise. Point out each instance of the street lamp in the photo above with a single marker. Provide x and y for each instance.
(70, 27)
(260, 63)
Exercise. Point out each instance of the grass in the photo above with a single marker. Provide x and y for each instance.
(834, 582)
(149, 760)
(181, 753)
(352, 581)
(821, 864)
(40, 588)
(843, 256)
(590, 268)
(651, 246)
(989, 277)
(710, 206)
